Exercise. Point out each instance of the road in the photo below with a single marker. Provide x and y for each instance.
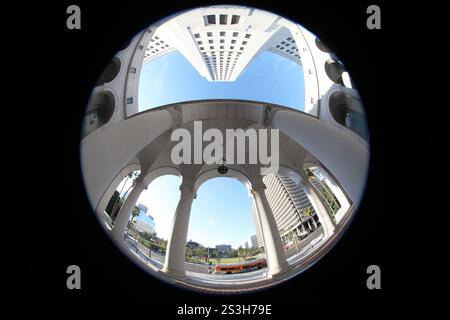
(198, 270)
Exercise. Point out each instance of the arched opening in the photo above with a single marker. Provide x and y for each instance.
(125, 44)
(110, 72)
(222, 239)
(334, 71)
(99, 112)
(296, 218)
(112, 201)
(149, 225)
(322, 46)
(345, 112)
(330, 192)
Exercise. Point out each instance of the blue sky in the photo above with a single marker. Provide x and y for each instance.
(269, 78)
(221, 214)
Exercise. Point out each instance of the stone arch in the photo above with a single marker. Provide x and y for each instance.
(322, 46)
(106, 197)
(334, 71)
(110, 72)
(99, 111)
(154, 174)
(345, 112)
(336, 188)
(213, 173)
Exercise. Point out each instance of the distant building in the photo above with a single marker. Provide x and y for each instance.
(143, 208)
(288, 203)
(253, 242)
(143, 226)
(148, 218)
(223, 248)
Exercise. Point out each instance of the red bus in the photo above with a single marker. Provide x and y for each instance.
(247, 266)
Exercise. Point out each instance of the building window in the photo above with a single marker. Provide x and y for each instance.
(223, 19)
(132, 70)
(235, 19)
(233, 41)
(209, 34)
(200, 42)
(247, 35)
(129, 100)
(232, 47)
(244, 43)
(211, 19)
(241, 48)
(202, 48)
(210, 41)
(196, 35)
(211, 47)
(156, 37)
(235, 34)
(222, 41)
(222, 33)
(221, 47)
(140, 47)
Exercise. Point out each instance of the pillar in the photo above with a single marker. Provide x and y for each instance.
(316, 201)
(125, 211)
(176, 246)
(276, 258)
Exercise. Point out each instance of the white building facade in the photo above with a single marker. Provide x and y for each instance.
(221, 41)
(143, 226)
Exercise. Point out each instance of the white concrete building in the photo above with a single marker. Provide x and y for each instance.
(288, 202)
(221, 41)
(253, 242)
(143, 226)
(323, 139)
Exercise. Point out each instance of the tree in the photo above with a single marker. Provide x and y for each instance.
(307, 211)
(188, 252)
(135, 213)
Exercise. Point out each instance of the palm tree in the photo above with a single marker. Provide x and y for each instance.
(135, 213)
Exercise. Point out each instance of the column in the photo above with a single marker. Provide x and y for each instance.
(316, 201)
(125, 211)
(276, 258)
(176, 246)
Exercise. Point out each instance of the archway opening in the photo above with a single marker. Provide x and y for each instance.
(297, 221)
(110, 72)
(222, 243)
(99, 111)
(149, 226)
(118, 197)
(348, 114)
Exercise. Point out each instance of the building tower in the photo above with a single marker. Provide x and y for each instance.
(293, 212)
(221, 41)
